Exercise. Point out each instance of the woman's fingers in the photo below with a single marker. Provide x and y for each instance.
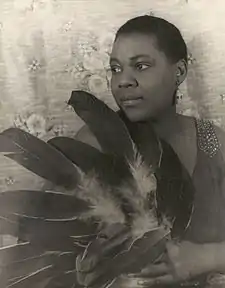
(162, 280)
(125, 282)
(154, 271)
(140, 282)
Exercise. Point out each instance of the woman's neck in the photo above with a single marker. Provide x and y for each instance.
(167, 124)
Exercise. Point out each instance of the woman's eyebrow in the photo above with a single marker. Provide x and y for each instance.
(133, 58)
(113, 59)
(140, 56)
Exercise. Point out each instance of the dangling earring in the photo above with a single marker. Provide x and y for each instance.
(179, 94)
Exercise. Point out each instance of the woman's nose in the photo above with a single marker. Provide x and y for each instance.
(127, 81)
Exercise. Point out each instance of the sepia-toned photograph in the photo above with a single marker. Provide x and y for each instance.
(112, 143)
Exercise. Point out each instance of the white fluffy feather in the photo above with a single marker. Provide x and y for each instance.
(103, 206)
(139, 192)
(143, 176)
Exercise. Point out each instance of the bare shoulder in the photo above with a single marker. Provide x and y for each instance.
(86, 136)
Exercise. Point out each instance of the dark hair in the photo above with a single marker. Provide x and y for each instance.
(169, 38)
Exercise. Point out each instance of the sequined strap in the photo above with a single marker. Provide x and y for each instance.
(206, 137)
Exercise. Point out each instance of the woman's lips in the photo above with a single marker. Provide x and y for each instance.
(131, 101)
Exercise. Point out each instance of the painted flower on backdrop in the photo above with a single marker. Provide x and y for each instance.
(35, 124)
(86, 43)
(59, 129)
(67, 26)
(222, 96)
(74, 69)
(20, 122)
(93, 61)
(97, 84)
(34, 65)
(191, 59)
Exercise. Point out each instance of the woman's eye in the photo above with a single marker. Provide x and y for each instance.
(116, 69)
(142, 66)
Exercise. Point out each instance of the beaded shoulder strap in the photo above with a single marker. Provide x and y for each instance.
(207, 138)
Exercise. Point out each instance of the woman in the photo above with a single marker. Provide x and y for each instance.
(148, 63)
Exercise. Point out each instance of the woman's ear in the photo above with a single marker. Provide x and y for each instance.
(181, 71)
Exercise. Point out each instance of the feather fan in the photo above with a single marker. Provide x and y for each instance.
(114, 188)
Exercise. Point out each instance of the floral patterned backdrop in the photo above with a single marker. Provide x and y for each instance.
(50, 47)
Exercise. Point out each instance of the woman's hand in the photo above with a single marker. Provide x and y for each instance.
(183, 262)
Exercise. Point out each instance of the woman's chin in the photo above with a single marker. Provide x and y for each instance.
(135, 116)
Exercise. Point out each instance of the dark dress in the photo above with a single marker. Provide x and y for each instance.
(207, 222)
(208, 219)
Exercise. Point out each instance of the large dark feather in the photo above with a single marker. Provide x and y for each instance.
(41, 284)
(105, 124)
(38, 157)
(42, 204)
(145, 139)
(175, 191)
(109, 168)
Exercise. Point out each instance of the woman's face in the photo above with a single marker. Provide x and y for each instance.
(143, 79)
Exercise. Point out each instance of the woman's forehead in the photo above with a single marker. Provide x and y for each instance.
(133, 44)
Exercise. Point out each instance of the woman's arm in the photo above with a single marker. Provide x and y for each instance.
(184, 262)
(217, 256)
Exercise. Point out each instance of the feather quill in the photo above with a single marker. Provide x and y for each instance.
(26, 269)
(33, 279)
(21, 269)
(18, 252)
